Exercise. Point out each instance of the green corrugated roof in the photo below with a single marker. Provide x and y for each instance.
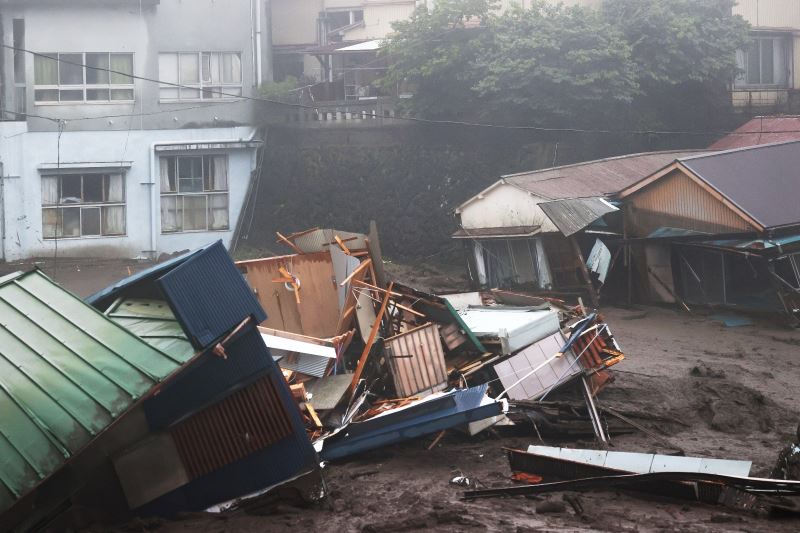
(154, 322)
(66, 372)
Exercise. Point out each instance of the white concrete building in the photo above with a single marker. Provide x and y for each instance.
(126, 126)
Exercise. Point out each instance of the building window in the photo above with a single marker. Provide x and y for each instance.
(765, 62)
(83, 205)
(341, 19)
(194, 193)
(201, 75)
(83, 77)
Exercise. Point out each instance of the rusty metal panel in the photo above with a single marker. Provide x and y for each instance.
(417, 362)
(240, 425)
(677, 201)
(594, 178)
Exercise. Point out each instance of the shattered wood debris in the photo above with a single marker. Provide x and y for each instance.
(217, 384)
(365, 349)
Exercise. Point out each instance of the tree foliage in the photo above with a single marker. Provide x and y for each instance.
(653, 63)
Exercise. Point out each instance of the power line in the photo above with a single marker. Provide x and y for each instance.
(541, 129)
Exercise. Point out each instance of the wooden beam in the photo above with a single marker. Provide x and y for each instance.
(364, 264)
(584, 271)
(341, 244)
(288, 243)
(362, 361)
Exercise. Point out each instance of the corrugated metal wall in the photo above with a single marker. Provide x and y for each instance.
(678, 202)
(241, 424)
(417, 361)
(209, 295)
(210, 378)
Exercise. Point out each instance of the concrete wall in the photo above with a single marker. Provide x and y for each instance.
(769, 13)
(22, 153)
(170, 26)
(504, 206)
(295, 21)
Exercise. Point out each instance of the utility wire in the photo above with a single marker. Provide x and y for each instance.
(542, 129)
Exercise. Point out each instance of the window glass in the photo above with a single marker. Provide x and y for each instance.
(45, 69)
(194, 212)
(113, 220)
(101, 95)
(95, 62)
(71, 222)
(200, 201)
(122, 69)
(90, 221)
(49, 222)
(93, 188)
(753, 63)
(84, 195)
(71, 189)
(189, 68)
(218, 211)
(170, 214)
(190, 174)
(767, 65)
(72, 95)
(113, 188)
(231, 68)
(70, 71)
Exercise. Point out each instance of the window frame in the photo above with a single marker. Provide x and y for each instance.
(206, 193)
(740, 82)
(84, 87)
(202, 86)
(59, 207)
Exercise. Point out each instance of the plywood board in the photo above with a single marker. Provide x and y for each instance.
(317, 314)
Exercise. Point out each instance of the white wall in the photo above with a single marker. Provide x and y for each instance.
(503, 206)
(22, 153)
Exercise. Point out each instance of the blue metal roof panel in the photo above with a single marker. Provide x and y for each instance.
(454, 409)
(209, 295)
(104, 297)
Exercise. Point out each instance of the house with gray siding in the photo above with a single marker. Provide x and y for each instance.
(127, 125)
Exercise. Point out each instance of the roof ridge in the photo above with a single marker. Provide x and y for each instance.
(601, 160)
(714, 153)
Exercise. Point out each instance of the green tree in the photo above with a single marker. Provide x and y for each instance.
(434, 52)
(684, 53)
(635, 63)
(550, 65)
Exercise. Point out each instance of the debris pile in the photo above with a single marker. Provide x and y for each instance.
(204, 384)
(372, 362)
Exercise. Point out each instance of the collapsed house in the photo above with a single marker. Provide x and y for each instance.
(536, 230)
(156, 396)
(372, 363)
(719, 229)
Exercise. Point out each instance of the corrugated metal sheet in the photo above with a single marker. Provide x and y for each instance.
(416, 360)
(153, 322)
(102, 299)
(677, 201)
(319, 240)
(240, 425)
(519, 374)
(209, 296)
(761, 130)
(209, 379)
(761, 180)
(573, 214)
(432, 414)
(310, 365)
(66, 373)
(602, 177)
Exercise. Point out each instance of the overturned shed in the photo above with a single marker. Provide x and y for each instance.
(226, 425)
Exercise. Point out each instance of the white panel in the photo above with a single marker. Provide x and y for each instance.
(670, 463)
(639, 463)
